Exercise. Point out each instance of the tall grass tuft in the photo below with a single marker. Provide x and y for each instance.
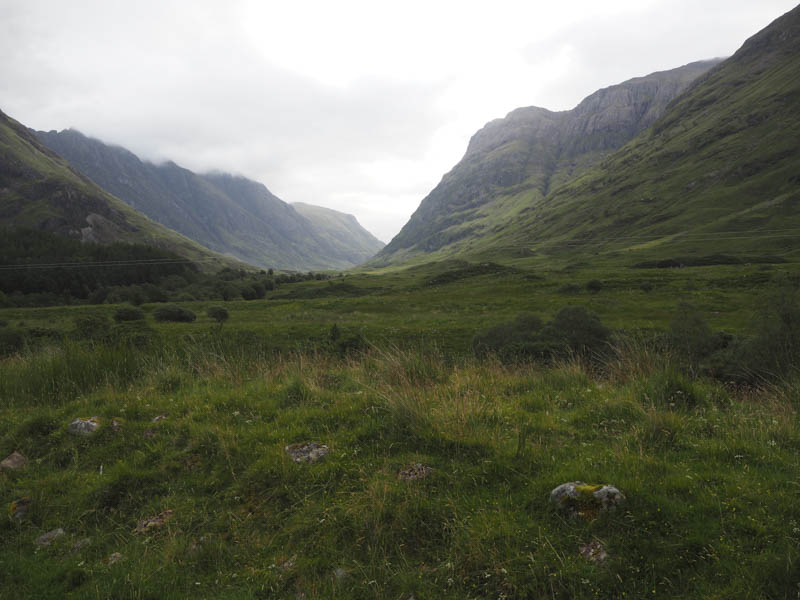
(56, 375)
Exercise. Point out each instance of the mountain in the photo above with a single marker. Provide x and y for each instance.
(39, 190)
(515, 162)
(229, 214)
(343, 231)
(718, 172)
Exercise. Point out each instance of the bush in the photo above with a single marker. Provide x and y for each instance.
(351, 345)
(581, 330)
(218, 313)
(572, 330)
(515, 339)
(11, 341)
(569, 288)
(128, 313)
(690, 336)
(594, 286)
(772, 351)
(93, 327)
(173, 313)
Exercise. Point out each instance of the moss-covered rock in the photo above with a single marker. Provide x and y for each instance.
(577, 498)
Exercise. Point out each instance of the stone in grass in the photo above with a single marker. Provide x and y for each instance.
(288, 564)
(594, 552)
(84, 426)
(415, 471)
(159, 418)
(81, 544)
(146, 525)
(48, 538)
(19, 508)
(577, 498)
(114, 557)
(14, 461)
(306, 452)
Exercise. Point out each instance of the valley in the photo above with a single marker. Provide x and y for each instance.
(208, 392)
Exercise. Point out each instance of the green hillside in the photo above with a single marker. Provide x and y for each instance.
(342, 231)
(38, 190)
(718, 173)
(516, 161)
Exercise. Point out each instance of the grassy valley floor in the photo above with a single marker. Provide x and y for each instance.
(186, 489)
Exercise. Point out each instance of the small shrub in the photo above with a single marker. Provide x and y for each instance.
(772, 351)
(128, 313)
(593, 286)
(93, 327)
(572, 330)
(570, 288)
(173, 313)
(515, 339)
(218, 313)
(352, 345)
(690, 336)
(11, 341)
(581, 330)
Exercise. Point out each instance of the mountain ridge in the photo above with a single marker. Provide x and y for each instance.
(531, 151)
(227, 213)
(39, 190)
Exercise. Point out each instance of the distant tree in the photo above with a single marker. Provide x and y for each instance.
(218, 313)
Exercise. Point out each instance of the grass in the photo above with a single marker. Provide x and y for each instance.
(709, 469)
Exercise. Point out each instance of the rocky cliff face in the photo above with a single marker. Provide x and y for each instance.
(531, 150)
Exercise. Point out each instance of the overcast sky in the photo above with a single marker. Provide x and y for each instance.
(360, 106)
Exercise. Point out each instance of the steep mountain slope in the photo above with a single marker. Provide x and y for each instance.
(39, 190)
(342, 230)
(233, 215)
(516, 161)
(719, 172)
